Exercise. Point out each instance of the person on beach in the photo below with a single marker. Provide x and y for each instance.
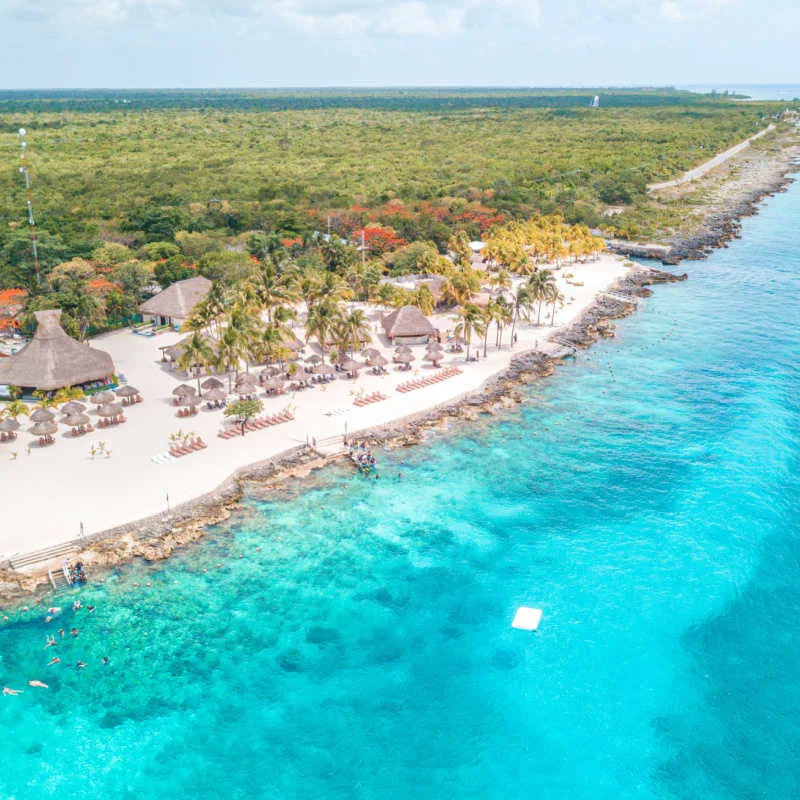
(38, 684)
(54, 660)
(11, 692)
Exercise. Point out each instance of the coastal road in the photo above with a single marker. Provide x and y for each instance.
(698, 172)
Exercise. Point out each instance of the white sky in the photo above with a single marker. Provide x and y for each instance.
(236, 43)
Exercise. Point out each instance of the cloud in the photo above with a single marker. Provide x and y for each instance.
(348, 18)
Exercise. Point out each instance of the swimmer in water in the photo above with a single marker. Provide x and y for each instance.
(11, 692)
(80, 665)
(38, 684)
(74, 631)
(55, 660)
(90, 609)
(54, 610)
(61, 632)
(106, 662)
(51, 642)
(76, 605)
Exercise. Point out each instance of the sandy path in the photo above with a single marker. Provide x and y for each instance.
(721, 158)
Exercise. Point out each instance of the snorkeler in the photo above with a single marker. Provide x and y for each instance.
(38, 684)
(51, 642)
(54, 660)
(11, 692)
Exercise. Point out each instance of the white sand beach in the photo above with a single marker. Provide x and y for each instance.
(54, 493)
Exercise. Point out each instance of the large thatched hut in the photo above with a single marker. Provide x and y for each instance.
(175, 303)
(409, 325)
(53, 360)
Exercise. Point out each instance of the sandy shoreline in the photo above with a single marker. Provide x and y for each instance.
(156, 536)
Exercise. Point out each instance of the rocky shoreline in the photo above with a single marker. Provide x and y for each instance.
(155, 538)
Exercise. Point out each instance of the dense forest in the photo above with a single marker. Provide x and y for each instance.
(164, 183)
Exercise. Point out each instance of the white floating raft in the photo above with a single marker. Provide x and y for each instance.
(527, 619)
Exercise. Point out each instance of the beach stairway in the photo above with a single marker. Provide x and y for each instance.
(43, 556)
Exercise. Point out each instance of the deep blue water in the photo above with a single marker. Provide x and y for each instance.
(353, 640)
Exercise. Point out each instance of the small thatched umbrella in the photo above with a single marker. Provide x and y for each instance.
(371, 353)
(377, 360)
(246, 379)
(110, 410)
(434, 356)
(405, 358)
(9, 425)
(212, 383)
(101, 398)
(216, 395)
(127, 391)
(77, 420)
(404, 348)
(299, 374)
(189, 400)
(44, 430)
(42, 415)
(274, 384)
(271, 372)
(314, 359)
(351, 365)
(72, 407)
(183, 389)
(321, 369)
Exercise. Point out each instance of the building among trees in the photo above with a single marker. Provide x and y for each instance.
(408, 325)
(175, 303)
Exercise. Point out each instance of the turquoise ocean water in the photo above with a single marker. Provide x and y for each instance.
(353, 640)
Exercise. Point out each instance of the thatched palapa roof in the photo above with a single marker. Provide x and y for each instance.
(52, 360)
(177, 300)
(407, 322)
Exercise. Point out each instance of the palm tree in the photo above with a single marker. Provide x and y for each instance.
(470, 321)
(321, 321)
(196, 355)
(523, 301)
(555, 297)
(68, 393)
(355, 328)
(455, 291)
(16, 408)
(273, 284)
(231, 348)
(501, 281)
(539, 285)
(502, 315)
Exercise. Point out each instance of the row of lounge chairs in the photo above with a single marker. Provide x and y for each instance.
(410, 386)
(375, 397)
(192, 446)
(257, 424)
(80, 430)
(8, 437)
(189, 411)
(107, 422)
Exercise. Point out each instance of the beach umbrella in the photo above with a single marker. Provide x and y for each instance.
(434, 357)
(110, 410)
(216, 395)
(274, 383)
(212, 383)
(101, 398)
(189, 400)
(73, 407)
(9, 425)
(370, 353)
(404, 348)
(76, 420)
(183, 389)
(127, 391)
(42, 415)
(377, 360)
(43, 429)
(314, 359)
(405, 358)
(271, 372)
(351, 365)
(247, 379)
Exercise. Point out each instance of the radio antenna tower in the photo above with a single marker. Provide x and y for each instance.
(24, 170)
